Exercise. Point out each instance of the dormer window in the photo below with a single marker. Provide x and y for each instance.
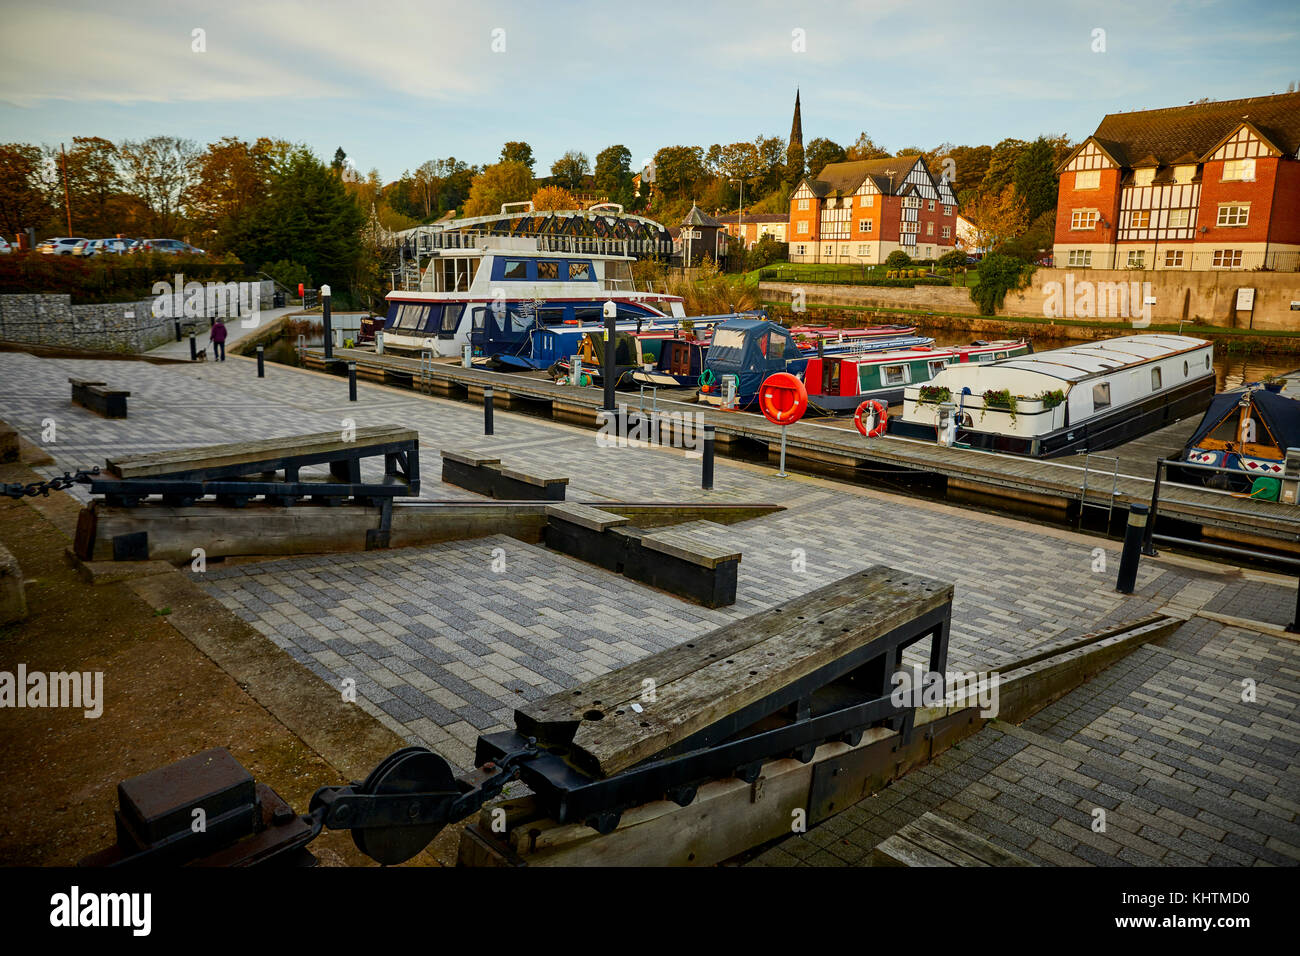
(1143, 177)
(1184, 174)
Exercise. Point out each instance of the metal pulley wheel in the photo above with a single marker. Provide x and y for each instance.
(413, 770)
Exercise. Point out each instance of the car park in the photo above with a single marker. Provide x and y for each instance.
(100, 247)
(5, 247)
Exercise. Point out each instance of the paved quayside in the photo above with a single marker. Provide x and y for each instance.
(442, 648)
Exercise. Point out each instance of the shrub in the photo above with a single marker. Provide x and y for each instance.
(898, 259)
(952, 260)
(996, 276)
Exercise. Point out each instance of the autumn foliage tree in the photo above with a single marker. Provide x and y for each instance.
(505, 182)
(551, 198)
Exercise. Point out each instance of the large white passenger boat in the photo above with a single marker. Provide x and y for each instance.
(1082, 398)
(494, 292)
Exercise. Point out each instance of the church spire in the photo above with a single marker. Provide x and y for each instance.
(796, 127)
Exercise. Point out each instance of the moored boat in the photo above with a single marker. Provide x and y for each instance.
(1246, 431)
(840, 383)
(1083, 398)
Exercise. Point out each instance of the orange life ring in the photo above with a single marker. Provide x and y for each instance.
(879, 412)
(783, 399)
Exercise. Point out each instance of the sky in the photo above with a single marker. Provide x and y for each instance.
(398, 83)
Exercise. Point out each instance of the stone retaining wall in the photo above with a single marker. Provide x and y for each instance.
(53, 320)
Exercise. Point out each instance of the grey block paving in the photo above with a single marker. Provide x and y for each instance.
(442, 648)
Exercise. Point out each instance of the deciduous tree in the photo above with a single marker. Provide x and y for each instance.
(505, 182)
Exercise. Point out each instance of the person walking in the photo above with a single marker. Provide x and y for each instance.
(219, 340)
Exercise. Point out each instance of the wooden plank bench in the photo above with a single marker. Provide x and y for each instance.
(98, 398)
(485, 475)
(931, 840)
(705, 690)
(667, 560)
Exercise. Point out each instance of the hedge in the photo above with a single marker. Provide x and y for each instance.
(108, 278)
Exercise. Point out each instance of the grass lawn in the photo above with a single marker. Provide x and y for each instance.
(813, 272)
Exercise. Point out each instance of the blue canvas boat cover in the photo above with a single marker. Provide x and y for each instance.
(753, 349)
(1279, 414)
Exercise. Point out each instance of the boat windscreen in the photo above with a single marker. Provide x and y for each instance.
(725, 340)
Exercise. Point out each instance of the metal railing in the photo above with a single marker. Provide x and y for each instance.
(1222, 257)
(1114, 487)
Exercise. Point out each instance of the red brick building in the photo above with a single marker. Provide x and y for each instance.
(1206, 186)
(754, 226)
(860, 212)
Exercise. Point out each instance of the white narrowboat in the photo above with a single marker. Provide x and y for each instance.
(1082, 398)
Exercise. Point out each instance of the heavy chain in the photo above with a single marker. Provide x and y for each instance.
(43, 488)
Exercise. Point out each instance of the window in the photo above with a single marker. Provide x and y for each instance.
(801, 250)
(1179, 218)
(929, 252)
(451, 317)
(1100, 396)
(1173, 258)
(1227, 259)
(911, 202)
(579, 271)
(893, 375)
(1080, 258)
(1141, 219)
(1087, 179)
(1233, 215)
(1083, 218)
(480, 314)
(828, 250)
(929, 228)
(803, 228)
(1137, 259)
(862, 250)
(803, 204)
(868, 201)
(947, 210)
(1242, 170)
(1155, 379)
(515, 269)
(947, 232)
(548, 269)
(937, 366)
(776, 348)
(864, 225)
(1143, 177)
(929, 205)
(1184, 174)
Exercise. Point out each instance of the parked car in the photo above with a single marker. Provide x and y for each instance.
(5, 247)
(101, 247)
(59, 246)
(171, 247)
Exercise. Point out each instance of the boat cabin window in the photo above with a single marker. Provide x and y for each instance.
(1155, 379)
(547, 269)
(1228, 430)
(1187, 370)
(831, 376)
(522, 316)
(550, 316)
(1001, 355)
(579, 271)
(727, 340)
(480, 316)
(454, 275)
(409, 318)
(588, 313)
(777, 348)
(1101, 396)
(894, 375)
(937, 367)
(515, 269)
(618, 275)
(451, 316)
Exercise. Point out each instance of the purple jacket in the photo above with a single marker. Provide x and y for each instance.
(219, 332)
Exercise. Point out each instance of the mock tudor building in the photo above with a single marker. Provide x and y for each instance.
(859, 212)
(1200, 187)
(753, 226)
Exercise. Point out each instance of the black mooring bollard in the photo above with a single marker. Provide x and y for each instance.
(611, 377)
(352, 381)
(325, 318)
(261, 368)
(706, 479)
(487, 410)
(1294, 626)
(1132, 553)
(194, 349)
(177, 323)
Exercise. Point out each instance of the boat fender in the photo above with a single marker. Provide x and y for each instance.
(879, 418)
(707, 378)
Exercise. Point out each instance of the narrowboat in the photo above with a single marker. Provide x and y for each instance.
(1082, 398)
(753, 349)
(1246, 430)
(840, 383)
(498, 291)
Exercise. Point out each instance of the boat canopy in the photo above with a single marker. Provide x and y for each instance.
(751, 349)
(1077, 362)
(1279, 414)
